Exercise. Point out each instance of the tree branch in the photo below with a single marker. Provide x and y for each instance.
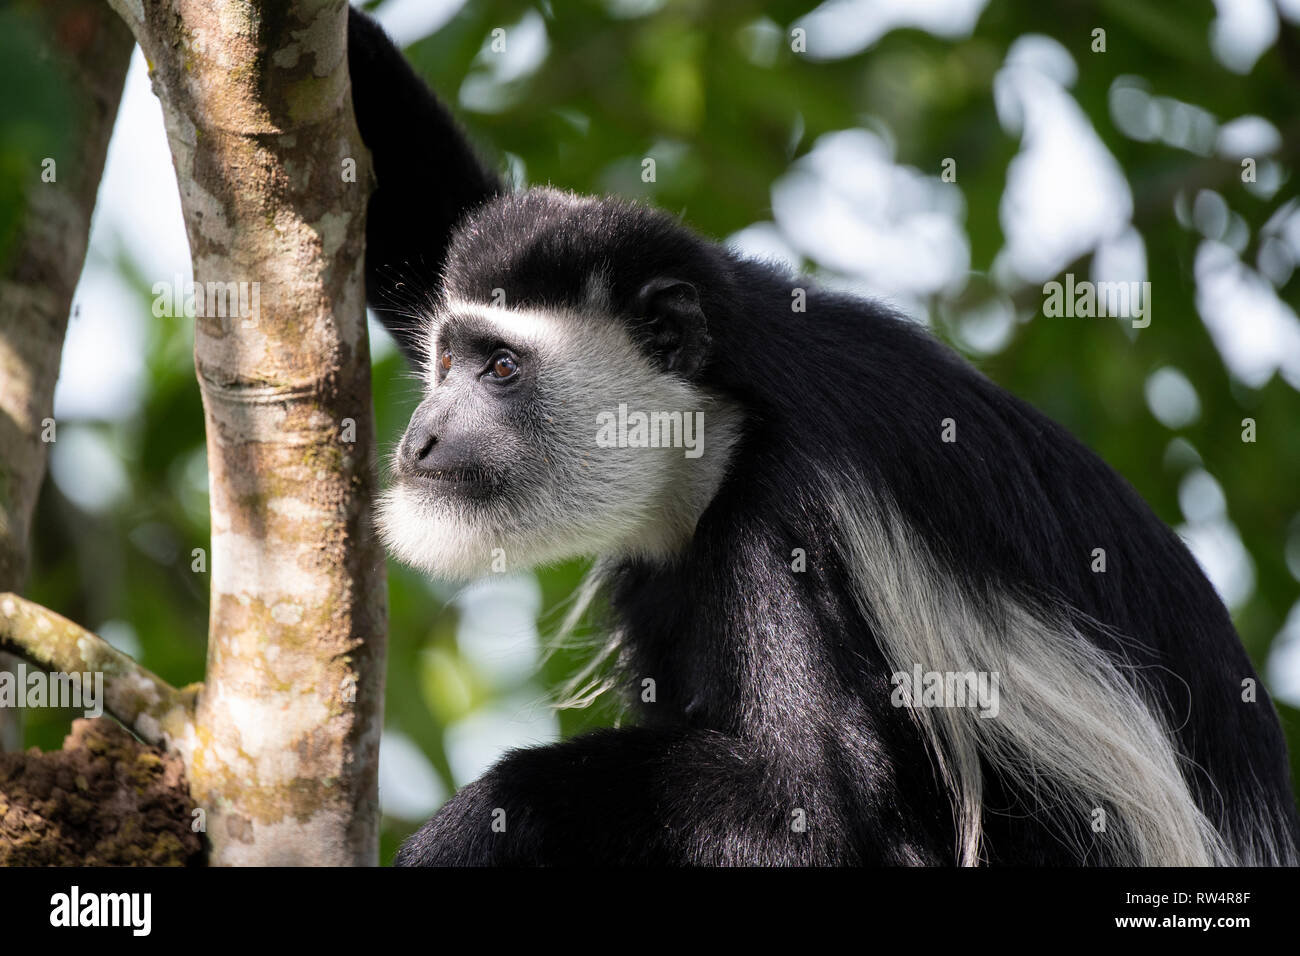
(37, 281)
(157, 712)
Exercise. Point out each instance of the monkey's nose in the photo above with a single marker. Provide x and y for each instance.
(417, 451)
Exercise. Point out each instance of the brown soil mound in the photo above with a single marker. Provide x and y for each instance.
(105, 799)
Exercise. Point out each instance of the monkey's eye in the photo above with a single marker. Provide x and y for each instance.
(503, 366)
(444, 360)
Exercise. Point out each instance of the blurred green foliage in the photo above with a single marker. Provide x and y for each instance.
(684, 82)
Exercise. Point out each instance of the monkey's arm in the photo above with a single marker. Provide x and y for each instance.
(629, 796)
(427, 175)
(641, 796)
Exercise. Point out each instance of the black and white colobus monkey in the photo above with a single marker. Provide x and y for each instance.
(1119, 733)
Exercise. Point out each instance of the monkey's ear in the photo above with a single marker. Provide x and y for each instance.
(676, 332)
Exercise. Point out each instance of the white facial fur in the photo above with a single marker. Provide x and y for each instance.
(566, 495)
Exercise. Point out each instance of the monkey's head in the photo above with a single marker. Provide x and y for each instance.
(565, 412)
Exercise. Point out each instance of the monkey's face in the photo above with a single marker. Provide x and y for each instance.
(517, 456)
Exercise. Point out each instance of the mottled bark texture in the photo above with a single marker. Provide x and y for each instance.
(38, 278)
(256, 98)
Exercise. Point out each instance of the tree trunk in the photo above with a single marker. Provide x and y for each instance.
(37, 282)
(283, 750)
